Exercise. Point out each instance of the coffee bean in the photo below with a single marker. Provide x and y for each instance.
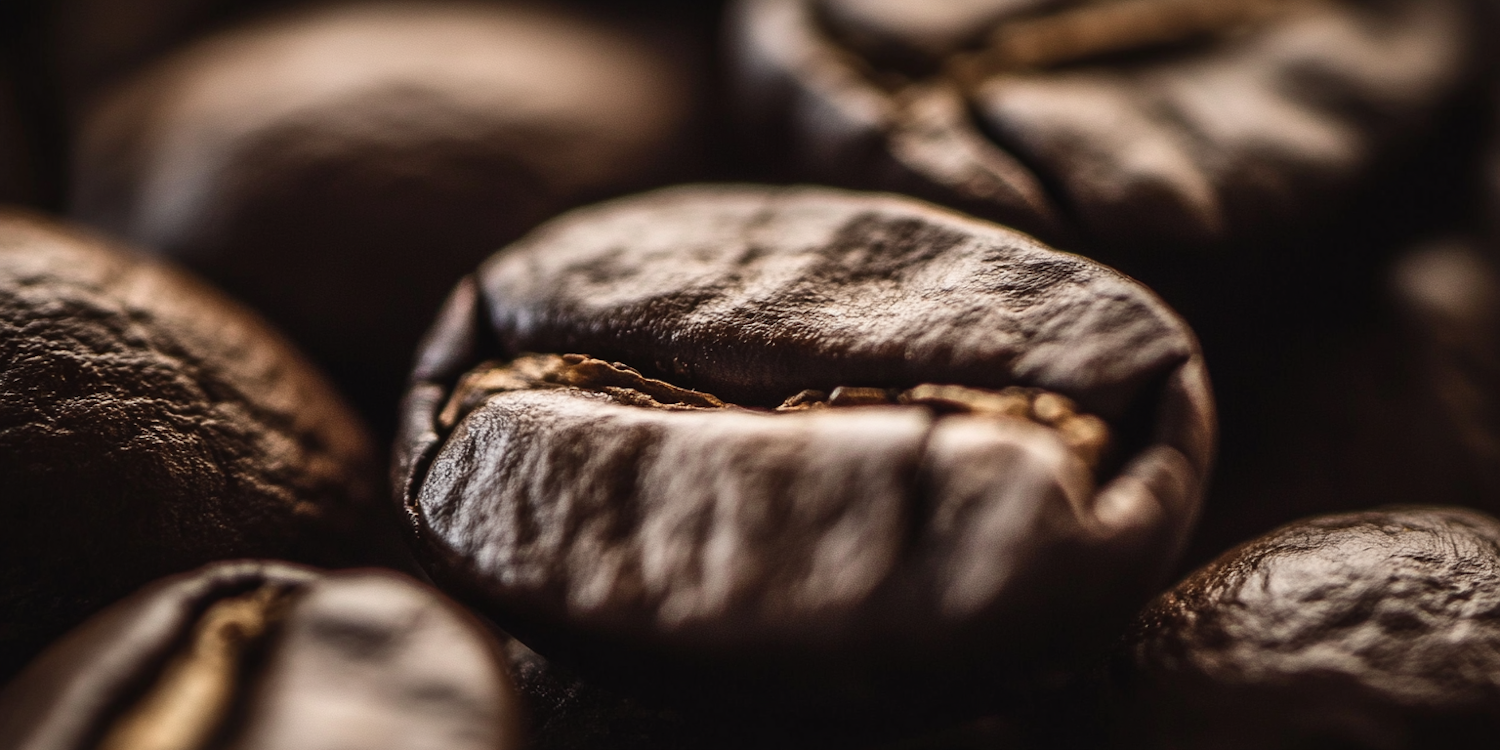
(268, 655)
(1366, 630)
(341, 169)
(1118, 126)
(149, 425)
(635, 501)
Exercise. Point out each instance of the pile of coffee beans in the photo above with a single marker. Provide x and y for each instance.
(505, 374)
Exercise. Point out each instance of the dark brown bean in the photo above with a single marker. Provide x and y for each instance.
(1366, 630)
(827, 550)
(251, 655)
(341, 169)
(148, 425)
(1131, 124)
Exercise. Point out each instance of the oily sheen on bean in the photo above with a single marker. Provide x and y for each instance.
(1373, 629)
(149, 425)
(698, 506)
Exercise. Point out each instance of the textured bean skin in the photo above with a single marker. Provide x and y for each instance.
(360, 659)
(147, 426)
(1368, 630)
(845, 551)
(1245, 136)
(341, 168)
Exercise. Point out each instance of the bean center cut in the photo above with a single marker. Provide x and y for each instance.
(189, 701)
(1086, 435)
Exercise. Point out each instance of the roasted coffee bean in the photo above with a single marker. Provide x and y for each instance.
(1122, 123)
(269, 655)
(149, 425)
(340, 170)
(1368, 630)
(647, 510)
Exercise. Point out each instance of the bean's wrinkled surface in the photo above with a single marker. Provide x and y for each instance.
(338, 168)
(1366, 630)
(1125, 123)
(787, 452)
(149, 425)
